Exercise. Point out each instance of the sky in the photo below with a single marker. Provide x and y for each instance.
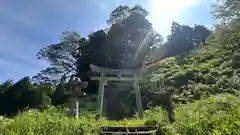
(28, 25)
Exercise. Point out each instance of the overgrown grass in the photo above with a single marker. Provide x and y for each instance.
(215, 115)
(201, 72)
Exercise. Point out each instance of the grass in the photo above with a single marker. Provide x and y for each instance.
(214, 115)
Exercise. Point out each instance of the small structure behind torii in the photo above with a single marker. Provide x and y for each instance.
(107, 74)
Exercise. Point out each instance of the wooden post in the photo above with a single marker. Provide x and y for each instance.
(161, 83)
(138, 97)
(235, 80)
(101, 94)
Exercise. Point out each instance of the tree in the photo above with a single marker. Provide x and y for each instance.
(5, 86)
(118, 14)
(103, 48)
(122, 12)
(95, 51)
(58, 96)
(62, 56)
(227, 32)
(24, 94)
(200, 34)
(184, 38)
(13, 98)
(227, 10)
(131, 37)
(124, 45)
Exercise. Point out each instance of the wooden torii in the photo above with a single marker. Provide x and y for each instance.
(117, 75)
(121, 75)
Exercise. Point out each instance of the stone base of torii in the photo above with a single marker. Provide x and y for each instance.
(117, 75)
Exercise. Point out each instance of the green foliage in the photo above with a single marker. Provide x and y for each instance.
(24, 94)
(129, 39)
(203, 71)
(227, 10)
(118, 47)
(195, 67)
(5, 86)
(217, 114)
(184, 38)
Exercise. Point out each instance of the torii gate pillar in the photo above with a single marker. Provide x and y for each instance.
(119, 73)
(138, 96)
(101, 94)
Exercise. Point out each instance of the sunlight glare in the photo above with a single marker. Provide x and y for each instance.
(163, 12)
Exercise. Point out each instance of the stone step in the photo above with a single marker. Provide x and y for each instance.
(127, 133)
(129, 130)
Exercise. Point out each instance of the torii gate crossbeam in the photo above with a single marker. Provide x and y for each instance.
(136, 76)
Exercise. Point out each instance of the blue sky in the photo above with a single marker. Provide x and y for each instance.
(28, 25)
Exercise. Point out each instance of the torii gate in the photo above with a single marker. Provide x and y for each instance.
(117, 75)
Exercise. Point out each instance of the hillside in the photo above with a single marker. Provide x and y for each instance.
(203, 72)
(216, 114)
(198, 66)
